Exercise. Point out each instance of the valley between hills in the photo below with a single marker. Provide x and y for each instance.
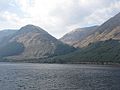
(98, 44)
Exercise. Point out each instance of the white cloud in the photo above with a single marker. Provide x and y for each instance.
(101, 15)
(56, 16)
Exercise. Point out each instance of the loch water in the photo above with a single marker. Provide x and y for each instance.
(28, 76)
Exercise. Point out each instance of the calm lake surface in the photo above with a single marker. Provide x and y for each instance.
(26, 76)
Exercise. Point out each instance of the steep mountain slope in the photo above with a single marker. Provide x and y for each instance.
(32, 42)
(6, 32)
(78, 35)
(109, 29)
(101, 46)
(99, 52)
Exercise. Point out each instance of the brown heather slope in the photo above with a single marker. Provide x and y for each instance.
(36, 43)
(108, 30)
(78, 34)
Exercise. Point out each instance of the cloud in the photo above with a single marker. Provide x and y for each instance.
(56, 16)
(101, 15)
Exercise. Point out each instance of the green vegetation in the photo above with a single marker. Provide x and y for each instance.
(102, 52)
(99, 52)
(62, 49)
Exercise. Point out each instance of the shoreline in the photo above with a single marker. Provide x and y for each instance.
(83, 63)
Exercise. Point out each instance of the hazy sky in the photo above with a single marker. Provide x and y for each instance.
(56, 16)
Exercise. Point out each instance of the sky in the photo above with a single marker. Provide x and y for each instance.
(56, 16)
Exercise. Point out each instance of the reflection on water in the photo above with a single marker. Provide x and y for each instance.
(58, 77)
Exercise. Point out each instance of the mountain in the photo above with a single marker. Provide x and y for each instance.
(109, 29)
(32, 42)
(107, 51)
(78, 34)
(102, 46)
(6, 32)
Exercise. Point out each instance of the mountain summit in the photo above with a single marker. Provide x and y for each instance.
(31, 28)
(33, 42)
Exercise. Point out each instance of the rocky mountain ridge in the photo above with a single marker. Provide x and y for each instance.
(35, 42)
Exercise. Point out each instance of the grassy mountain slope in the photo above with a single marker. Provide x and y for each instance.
(109, 29)
(102, 51)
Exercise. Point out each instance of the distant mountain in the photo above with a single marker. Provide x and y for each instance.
(6, 32)
(32, 42)
(109, 29)
(78, 34)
